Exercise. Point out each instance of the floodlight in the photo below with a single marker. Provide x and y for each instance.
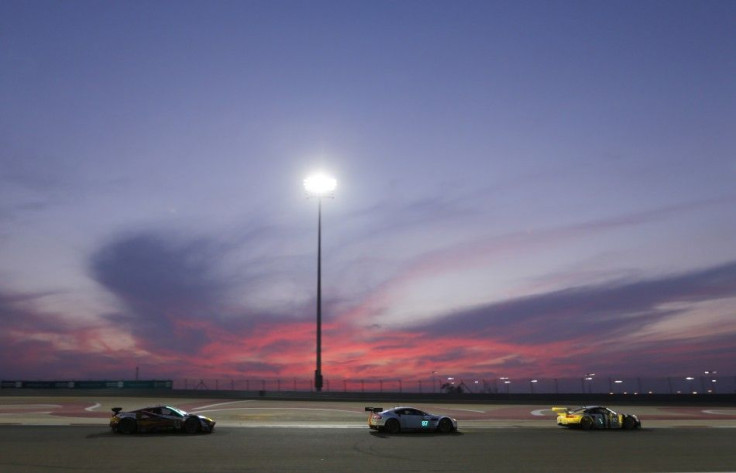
(320, 184)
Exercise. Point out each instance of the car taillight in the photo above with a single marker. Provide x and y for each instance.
(376, 416)
(570, 416)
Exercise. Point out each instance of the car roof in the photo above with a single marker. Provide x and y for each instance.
(585, 408)
(159, 406)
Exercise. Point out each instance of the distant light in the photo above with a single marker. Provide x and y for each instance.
(689, 378)
(618, 381)
(534, 381)
(320, 184)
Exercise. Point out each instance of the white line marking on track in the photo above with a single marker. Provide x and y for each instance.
(542, 412)
(93, 407)
(730, 412)
(200, 408)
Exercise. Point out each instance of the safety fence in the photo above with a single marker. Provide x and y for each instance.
(704, 384)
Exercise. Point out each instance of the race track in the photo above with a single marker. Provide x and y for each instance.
(43, 449)
(71, 435)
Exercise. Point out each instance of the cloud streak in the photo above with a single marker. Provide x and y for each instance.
(594, 311)
(176, 314)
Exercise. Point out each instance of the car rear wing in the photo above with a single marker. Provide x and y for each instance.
(115, 410)
(561, 410)
(374, 409)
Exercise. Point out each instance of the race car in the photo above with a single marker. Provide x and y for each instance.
(595, 417)
(159, 418)
(403, 419)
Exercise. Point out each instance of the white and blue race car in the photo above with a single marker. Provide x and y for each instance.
(409, 419)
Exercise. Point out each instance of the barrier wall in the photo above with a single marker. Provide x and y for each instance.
(136, 384)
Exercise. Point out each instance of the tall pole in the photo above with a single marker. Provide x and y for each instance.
(318, 371)
(319, 185)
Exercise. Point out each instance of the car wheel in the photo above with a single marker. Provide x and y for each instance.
(127, 426)
(587, 423)
(191, 426)
(392, 426)
(445, 426)
(629, 423)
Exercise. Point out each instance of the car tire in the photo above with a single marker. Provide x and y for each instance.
(445, 426)
(587, 423)
(191, 425)
(629, 423)
(127, 426)
(392, 426)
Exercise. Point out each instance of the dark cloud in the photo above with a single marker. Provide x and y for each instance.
(29, 335)
(17, 313)
(587, 312)
(175, 293)
(164, 284)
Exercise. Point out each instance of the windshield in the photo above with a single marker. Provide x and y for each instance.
(176, 411)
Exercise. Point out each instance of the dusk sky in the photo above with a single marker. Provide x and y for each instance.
(525, 188)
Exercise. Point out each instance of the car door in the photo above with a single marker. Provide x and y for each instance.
(411, 419)
(599, 417)
(171, 418)
(151, 419)
(613, 419)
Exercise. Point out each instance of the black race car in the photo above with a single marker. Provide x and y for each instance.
(159, 418)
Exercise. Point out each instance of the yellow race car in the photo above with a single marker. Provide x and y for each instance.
(595, 417)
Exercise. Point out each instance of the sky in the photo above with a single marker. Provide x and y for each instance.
(534, 188)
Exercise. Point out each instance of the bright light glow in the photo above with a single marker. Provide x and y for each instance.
(320, 184)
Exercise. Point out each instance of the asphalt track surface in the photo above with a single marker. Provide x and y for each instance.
(71, 435)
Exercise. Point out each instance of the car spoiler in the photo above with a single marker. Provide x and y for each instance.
(561, 410)
(115, 410)
(374, 409)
